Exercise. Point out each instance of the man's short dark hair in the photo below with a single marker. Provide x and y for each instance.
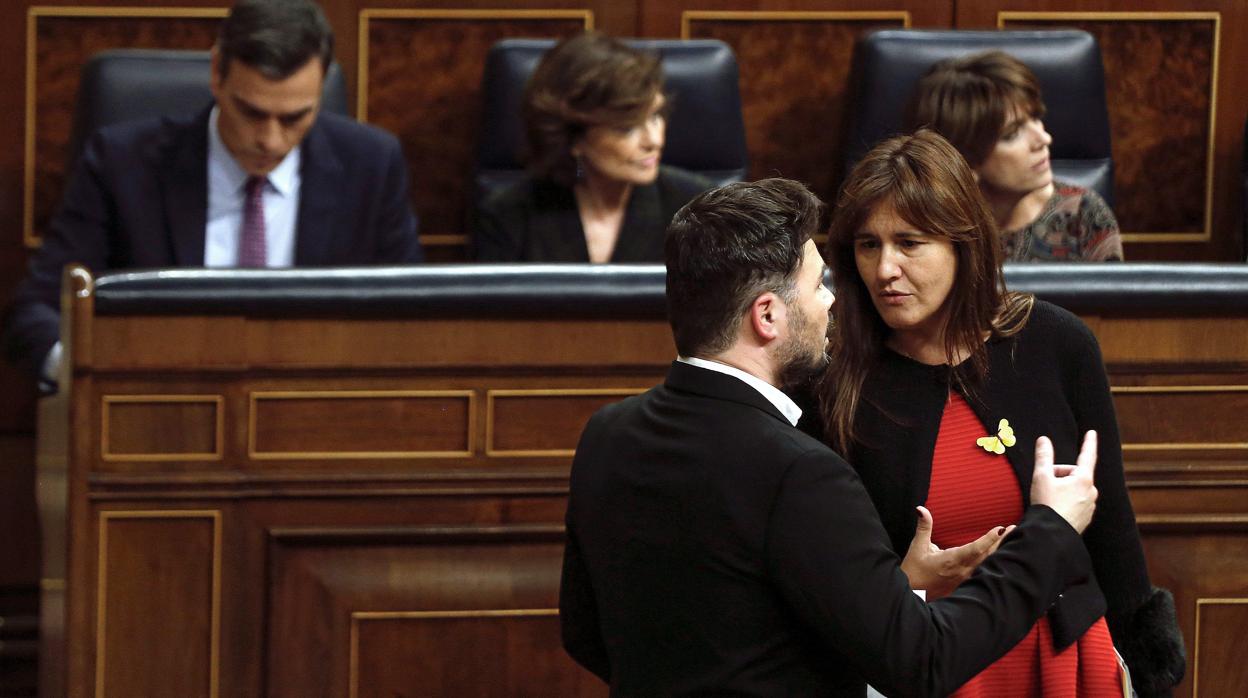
(728, 246)
(275, 37)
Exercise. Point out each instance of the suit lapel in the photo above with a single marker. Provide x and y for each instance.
(184, 188)
(319, 173)
(720, 386)
(642, 212)
(560, 217)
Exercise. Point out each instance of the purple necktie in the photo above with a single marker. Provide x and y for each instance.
(252, 250)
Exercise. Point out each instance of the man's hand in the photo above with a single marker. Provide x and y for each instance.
(1069, 490)
(938, 571)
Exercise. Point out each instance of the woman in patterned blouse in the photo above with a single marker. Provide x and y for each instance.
(988, 105)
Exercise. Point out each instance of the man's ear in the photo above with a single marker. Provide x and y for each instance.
(216, 76)
(766, 313)
(215, 62)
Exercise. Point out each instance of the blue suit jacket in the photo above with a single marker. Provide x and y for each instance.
(138, 198)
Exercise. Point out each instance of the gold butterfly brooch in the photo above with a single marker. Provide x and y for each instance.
(997, 444)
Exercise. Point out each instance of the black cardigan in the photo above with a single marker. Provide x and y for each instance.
(1046, 380)
(536, 220)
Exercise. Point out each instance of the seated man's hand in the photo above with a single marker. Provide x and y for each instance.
(1068, 489)
(938, 571)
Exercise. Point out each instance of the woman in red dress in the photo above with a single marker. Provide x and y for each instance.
(940, 382)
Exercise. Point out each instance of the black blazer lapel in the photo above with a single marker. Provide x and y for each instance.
(184, 189)
(692, 379)
(320, 172)
(637, 231)
(559, 221)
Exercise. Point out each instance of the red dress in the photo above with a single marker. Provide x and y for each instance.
(971, 492)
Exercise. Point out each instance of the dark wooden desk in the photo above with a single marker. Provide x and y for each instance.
(259, 495)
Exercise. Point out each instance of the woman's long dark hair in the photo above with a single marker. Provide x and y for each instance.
(924, 180)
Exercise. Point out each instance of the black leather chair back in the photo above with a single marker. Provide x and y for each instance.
(705, 133)
(1067, 63)
(125, 84)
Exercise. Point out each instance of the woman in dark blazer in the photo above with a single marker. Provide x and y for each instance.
(595, 121)
(941, 378)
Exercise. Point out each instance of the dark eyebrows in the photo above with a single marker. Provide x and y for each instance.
(258, 113)
(901, 234)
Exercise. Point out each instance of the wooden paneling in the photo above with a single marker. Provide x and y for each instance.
(158, 605)
(59, 42)
(1204, 560)
(301, 425)
(794, 86)
(427, 611)
(543, 422)
(1175, 417)
(420, 79)
(1160, 83)
(231, 344)
(403, 653)
(394, 574)
(20, 549)
(1167, 340)
(161, 427)
(1219, 657)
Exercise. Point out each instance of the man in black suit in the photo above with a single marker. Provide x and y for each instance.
(260, 178)
(714, 549)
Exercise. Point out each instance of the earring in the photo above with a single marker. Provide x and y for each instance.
(580, 168)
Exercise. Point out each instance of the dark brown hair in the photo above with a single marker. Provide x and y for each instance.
(967, 100)
(924, 180)
(275, 37)
(585, 80)
(728, 246)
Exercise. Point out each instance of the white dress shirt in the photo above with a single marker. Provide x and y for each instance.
(227, 196)
(774, 395)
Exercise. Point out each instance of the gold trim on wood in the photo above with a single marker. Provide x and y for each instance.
(353, 676)
(689, 16)
(443, 240)
(1196, 643)
(1181, 445)
(361, 89)
(1161, 236)
(490, 451)
(1194, 522)
(32, 17)
(218, 401)
(255, 397)
(214, 655)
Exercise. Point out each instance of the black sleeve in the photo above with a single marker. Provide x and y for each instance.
(79, 232)
(1144, 631)
(398, 238)
(832, 560)
(578, 613)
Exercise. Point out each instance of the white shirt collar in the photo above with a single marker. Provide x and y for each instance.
(774, 395)
(283, 179)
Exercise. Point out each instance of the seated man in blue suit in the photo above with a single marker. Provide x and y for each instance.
(715, 549)
(260, 178)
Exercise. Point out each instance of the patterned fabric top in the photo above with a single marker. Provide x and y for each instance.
(1075, 225)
